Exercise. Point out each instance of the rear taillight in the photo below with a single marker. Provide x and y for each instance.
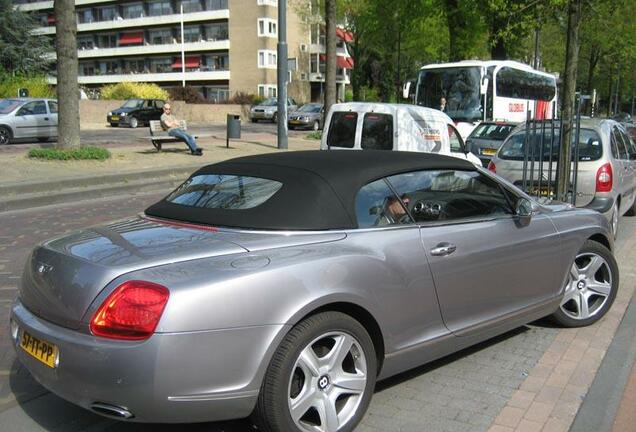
(604, 178)
(131, 312)
(492, 167)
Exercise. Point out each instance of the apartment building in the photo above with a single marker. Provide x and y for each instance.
(229, 46)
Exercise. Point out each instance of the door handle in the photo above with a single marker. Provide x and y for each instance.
(46, 118)
(443, 249)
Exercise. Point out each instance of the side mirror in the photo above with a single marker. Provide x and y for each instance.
(524, 210)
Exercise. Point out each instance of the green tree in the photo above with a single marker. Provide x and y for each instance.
(67, 87)
(22, 52)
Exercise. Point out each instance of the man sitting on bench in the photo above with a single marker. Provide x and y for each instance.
(171, 124)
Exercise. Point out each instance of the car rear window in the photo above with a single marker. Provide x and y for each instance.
(342, 132)
(8, 105)
(227, 192)
(377, 132)
(498, 132)
(590, 146)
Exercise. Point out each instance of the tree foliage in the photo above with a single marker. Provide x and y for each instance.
(21, 51)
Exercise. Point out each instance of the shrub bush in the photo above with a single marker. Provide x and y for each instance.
(348, 95)
(187, 94)
(130, 90)
(37, 86)
(316, 135)
(242, 98)
(82, 153)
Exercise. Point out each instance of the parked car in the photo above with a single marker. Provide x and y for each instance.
(487, 137)
(308, 116)
(381, 126)
(606, 180)
(285, 284)
(268, 110)
(27, 118)
(136, 112)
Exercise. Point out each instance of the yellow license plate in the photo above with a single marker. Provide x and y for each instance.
(43, 351)
(115, 118)
(296, 122)
(488, 152)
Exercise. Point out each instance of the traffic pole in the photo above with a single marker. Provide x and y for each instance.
(282, 74)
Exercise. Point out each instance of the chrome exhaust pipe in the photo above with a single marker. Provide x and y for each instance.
(111, 411)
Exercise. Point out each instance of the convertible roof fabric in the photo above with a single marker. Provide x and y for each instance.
(319, 187)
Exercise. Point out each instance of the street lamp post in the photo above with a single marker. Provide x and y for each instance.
(183, 79)
(282, 74)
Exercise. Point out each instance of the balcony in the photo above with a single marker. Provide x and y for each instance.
(43, 5)
(144, 21)
(151, 77)
(153, 49)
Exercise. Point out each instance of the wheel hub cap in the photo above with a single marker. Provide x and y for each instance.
(588, 287)
(323, 382)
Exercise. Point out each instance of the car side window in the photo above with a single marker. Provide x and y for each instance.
(450, 195)
(52, 107)
(342, 131)
(148, 104)
(159, 104)
(32, 108)
(378, 206)
(617, 145)
(377, 132)
(627, 144)
(456, 142)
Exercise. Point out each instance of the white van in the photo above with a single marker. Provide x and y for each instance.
(381, 126)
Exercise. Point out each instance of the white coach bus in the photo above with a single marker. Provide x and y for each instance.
(474, 91)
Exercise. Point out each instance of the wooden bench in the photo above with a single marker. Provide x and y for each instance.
(158, 136)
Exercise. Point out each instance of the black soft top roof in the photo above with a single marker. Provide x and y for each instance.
(318, 192)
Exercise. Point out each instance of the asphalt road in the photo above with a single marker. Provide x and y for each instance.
(121, 136)
(462, 392)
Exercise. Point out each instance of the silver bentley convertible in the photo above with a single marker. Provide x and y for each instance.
(283, 286)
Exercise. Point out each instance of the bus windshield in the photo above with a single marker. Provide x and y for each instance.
(455, 90)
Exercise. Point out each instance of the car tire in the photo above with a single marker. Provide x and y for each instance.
(134, 122)
(316, 126)
(594, 266)
(5, 135)
(114, 124)
(302, 371)
(275, 118)
(614, 217)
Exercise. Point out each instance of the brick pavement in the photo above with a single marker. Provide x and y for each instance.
(532, 378)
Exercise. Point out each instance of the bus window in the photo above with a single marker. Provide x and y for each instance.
(520, 84)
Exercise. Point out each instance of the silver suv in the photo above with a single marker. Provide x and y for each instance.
(606, 170)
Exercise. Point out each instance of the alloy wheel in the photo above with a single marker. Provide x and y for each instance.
(4, 136)
(316, 126)
(327, 383)
(588, 288)
(134, 122)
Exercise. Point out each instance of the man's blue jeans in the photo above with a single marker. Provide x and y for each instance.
(183, 135)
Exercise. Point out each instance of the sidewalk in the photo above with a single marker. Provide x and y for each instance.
(17, 168)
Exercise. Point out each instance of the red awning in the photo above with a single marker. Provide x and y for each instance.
(131, 38)
(345, 35)
(341, 62)
(190, 62)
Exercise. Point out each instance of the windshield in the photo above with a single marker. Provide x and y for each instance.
(8, 105)
(590, 146)
(310, 108)
(456, 91)
(270, 102)
(133, 103)
(492, 131)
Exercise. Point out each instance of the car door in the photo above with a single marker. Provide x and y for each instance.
(32, 120)
(485, 262)
(627, 163)
(52, 105)
(621, 166)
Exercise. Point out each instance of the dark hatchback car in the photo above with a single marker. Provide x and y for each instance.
(486, 138)
(136, 112)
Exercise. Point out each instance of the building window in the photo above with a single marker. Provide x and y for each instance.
(267, 59)
(109, 67)
(108, 13)
(85, 16)
(85, 42)
(215, 62)
(160, 37)
(214, 32)
(211, 5)
(161, 7)
(267, 90)
(107, 40)
(161, 65)
(135, 10)
(267, 27)
(87, 69)
(191, 6)
(135, 66)
(267, 3)
(192, 34)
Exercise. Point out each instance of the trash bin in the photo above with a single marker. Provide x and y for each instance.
(233, 126)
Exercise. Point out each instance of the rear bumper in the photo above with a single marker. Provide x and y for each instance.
(169, 378)
(601, 204)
